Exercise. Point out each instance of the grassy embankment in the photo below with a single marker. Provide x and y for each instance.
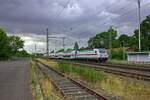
(42, 89)
(90, 75)
(126, 88)
(87, 74)
(119, 86)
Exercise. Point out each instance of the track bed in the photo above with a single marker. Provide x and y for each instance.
(69, 88)
(135, 72)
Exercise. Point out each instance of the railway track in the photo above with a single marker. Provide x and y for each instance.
(145, 68)
(69, 88)
(135, 72)
(126, 66)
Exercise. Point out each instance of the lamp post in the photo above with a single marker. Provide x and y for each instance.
(139, 14)
(123, 47)
(47, 42)
(110, 42)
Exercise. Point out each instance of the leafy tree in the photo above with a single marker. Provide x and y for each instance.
(102, 40)
(4, 45)
(117, 53)
(115, 43)
(22, 53)
(145, 35)
(126, 40)
(16, 44)
(9, 45)
(76, 48)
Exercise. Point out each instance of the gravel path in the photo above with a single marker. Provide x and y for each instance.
(14, 80)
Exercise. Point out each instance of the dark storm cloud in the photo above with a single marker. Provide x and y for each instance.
(80, 18)
(34, 15)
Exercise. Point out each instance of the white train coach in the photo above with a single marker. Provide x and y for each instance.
(88, 54)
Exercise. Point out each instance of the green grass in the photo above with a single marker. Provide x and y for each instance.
(115, 85)
(36, 90)
(129, 62)
(42, 89)
(87, 74)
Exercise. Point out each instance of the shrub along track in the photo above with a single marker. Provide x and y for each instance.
(69, 88)
(138, 72)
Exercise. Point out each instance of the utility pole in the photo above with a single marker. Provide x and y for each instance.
(110, 42)
(123, 47)
(35, 49)
(139, 10)
(92, 44)
(63, 40)
(47, 42)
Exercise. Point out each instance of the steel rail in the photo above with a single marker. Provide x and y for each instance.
(133, 72)
(126, 66)
(91, 94)
(145, 68)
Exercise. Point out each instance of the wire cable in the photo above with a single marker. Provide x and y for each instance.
(59, 13)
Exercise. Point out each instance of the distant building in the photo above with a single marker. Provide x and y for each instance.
(138, 56)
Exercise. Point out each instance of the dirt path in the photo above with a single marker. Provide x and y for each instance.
(14, 80)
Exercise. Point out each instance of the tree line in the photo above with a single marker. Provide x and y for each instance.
(110, 38)
(11, 46)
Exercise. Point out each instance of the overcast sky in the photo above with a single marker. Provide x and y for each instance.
(77, 20)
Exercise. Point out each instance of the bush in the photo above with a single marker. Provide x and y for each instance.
(118, 54)
(87, 74)
(5, 49)
(22, 53)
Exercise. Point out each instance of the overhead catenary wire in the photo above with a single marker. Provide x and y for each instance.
(69, 2)
(64, 6)
(116, 18)
(59, 13)
(126, 13)
(99, 11)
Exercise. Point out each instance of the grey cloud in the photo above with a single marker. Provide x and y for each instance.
(80, 19)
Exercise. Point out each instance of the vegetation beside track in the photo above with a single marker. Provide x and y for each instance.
(121, 87)
(11, 46)
(87, 74)
(41, 86)
(90, 75)
(49, 62)
(126, 88)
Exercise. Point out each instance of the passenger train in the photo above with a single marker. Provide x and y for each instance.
(100, 55)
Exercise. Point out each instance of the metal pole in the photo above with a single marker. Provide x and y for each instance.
(123, 50)
(35, 49)
(92, 44)
(47, 43)
(63, 43)
(139, 7)
(110, 43)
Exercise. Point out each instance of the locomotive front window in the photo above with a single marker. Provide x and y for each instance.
(95, 51)
(101, 51)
